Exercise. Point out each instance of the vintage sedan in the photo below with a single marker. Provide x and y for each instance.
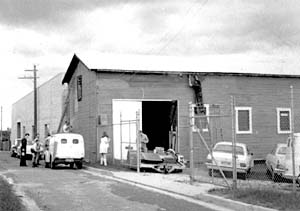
(221, 158)
(275, 161)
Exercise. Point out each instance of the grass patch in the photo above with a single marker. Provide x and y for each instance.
(271, 198)
(8, 200)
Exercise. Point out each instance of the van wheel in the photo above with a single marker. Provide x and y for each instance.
(79, 165)
(71, 165)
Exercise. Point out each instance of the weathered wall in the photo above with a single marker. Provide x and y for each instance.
(83, 113)
(263, 95)
(148, 87)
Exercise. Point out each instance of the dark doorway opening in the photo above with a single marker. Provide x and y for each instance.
(158, 119)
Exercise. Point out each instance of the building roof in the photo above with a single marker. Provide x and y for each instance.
(206, 65)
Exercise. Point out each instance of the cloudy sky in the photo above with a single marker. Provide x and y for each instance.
(48, 32)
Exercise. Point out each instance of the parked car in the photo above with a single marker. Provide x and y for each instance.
(286, 169)
(275, 161)
(65, 148)
(28, 150)
(14, 148)
(222, 154)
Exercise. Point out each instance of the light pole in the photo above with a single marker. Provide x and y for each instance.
(34, 77)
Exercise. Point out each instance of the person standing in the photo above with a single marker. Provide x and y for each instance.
(67, 127)
(23, 150)
(143, 141)
(36, 148)
(103, 148)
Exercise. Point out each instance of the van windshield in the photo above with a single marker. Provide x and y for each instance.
(228, 149)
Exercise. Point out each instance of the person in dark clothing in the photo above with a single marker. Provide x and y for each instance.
(23, 150)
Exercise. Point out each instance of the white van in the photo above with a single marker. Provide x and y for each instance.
(65, 148)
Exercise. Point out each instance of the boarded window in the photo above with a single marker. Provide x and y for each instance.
(283, 120)
(243, 120)
(79, 87)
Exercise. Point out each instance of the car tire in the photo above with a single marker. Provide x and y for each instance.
(276, 177)
(268, 172)
(79, 165)
(210, 172)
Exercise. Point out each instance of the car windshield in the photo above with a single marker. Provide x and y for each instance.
(228, 149)
(281, 151)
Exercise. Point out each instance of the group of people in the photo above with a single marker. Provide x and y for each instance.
(35, 150)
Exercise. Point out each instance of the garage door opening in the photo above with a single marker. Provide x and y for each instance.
(159, 119)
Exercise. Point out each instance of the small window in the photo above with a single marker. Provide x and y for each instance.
(64, 141)
(79, 87)
(75, 141)
(243, 120)
(283, 120)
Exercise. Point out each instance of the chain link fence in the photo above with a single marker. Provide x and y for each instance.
(220, 154)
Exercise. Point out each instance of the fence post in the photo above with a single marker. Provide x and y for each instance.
(191, 115)
(121, 140)
(292, 138)
(138, 151)
(234, 173)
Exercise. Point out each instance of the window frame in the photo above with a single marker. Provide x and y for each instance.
(243, 108)
(79, 88)
(278, 110)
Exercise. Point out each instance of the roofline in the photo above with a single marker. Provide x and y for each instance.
(146, 72)
(71, 69)
(75, 61)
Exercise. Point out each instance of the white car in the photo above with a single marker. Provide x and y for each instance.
(221, 158)
(28, 150)
(275, 161)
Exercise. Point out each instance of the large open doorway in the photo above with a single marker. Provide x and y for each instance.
(159, 118)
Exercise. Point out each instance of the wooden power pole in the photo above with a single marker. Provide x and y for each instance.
(34, 77)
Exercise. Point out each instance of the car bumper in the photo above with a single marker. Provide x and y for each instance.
(67, 160)
(227, 168)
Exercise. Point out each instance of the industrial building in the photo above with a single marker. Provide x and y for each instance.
(106, 99)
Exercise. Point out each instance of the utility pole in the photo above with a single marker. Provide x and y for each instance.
(34, 77)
